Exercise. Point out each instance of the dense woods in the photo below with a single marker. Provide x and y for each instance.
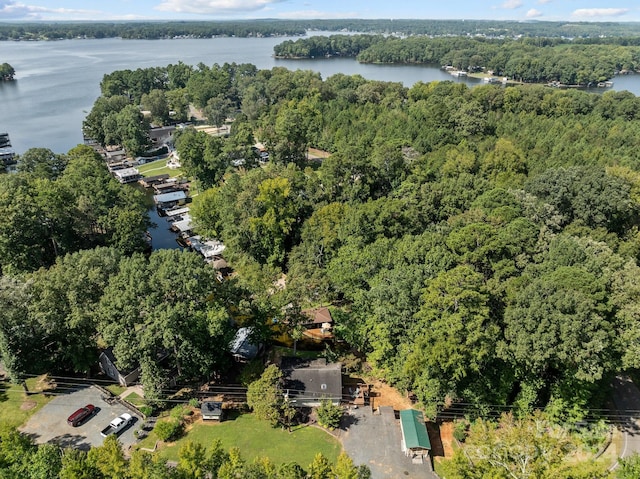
(531, 60)
(271, 27)
(482, 243)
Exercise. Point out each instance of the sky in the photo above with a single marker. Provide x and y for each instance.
(551, 10)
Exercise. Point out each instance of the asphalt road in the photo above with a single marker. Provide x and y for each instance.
(626, 398)
(49, 424)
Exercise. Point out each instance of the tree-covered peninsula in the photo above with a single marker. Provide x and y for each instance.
(530, 60)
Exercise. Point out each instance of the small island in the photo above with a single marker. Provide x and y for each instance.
(6, 72)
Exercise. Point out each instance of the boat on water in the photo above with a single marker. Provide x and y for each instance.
(7, 153)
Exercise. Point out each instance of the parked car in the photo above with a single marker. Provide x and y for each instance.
(81, 415)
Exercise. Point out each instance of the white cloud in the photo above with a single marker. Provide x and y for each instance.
(214, 6)
(16, 10)
(312, 14)
(544, 2)
(512, 4)
(533, 13)
(600, 12)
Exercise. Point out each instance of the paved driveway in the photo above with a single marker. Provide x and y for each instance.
(49, 424)
(374, 440)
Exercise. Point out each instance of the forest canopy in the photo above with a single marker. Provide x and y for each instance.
(478, 245)
(530, 60)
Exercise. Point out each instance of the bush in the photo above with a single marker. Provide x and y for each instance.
(460, 430)
(167, 430)
(178, 412)
(146, 410)
(329, 415)
(193, 402)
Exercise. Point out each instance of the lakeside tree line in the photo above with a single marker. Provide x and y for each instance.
(271, 27)
(530, 60)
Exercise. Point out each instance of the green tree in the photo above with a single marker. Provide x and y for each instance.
(6, 72)
(157, 104)
(344, 468)
(629, 467)
(46, 463)
(320, 468)
(461, 339)
(329, 414)
(75, 465)
(42, 163)
(191, 460)
(265, 397)
(109, 458)
(217, 456)
(132, 131)
(233, 467)
(218, 109)
(290, 470)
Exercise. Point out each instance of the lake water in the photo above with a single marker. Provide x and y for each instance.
(58, 82)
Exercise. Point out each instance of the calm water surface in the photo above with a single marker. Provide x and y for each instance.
(58, 82)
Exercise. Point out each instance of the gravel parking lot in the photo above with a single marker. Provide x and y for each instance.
(50, 423)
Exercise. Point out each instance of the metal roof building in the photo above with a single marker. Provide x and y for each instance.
(415, 438)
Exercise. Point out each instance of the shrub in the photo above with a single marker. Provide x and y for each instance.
(193, 402)
(178, 412)
(167, 430)
(329, 415)
(146, 410)
(460, 430)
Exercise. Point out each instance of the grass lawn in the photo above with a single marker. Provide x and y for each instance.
(256, 438)
(158, 167)
(15, 406)
(136, 399)
(116, 389)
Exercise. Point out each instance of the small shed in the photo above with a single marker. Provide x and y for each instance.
(108, 366)
(415, 438)
(211, 411)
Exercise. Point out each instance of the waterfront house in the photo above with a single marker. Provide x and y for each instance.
(127, 175)
(161, 134)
